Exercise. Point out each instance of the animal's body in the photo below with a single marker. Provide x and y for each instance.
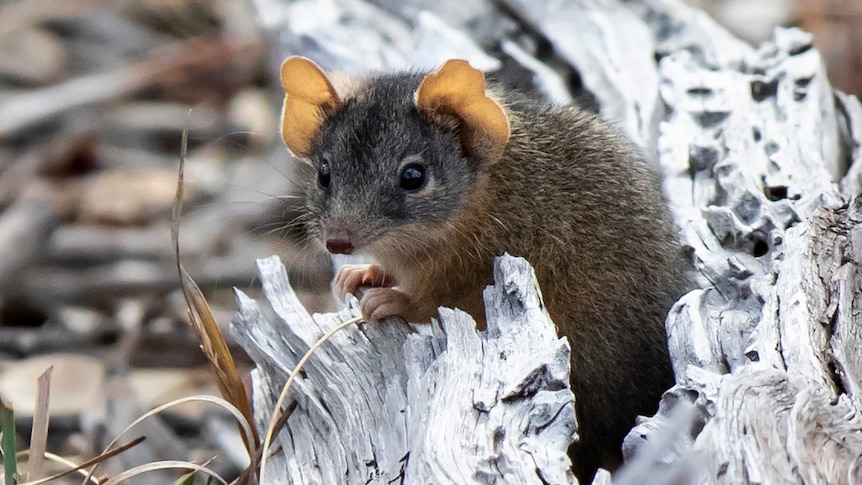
(433, 177)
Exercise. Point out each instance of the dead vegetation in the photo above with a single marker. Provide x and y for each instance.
(94, 98)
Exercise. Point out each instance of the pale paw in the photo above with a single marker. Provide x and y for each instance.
(351, 277)
(380, 303)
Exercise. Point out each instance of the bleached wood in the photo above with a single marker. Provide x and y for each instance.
(752, 152)
(383, 402)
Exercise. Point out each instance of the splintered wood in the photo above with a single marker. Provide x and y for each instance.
(755, 152)
(384, 403)
(762, 171)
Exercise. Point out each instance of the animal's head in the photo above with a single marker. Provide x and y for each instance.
(395, 159)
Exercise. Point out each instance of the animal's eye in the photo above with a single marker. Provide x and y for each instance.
(323, 174)
(412, 177)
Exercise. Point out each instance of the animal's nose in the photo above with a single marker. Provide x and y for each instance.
(339, 246)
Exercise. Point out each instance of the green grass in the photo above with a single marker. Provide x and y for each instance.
(8, 443)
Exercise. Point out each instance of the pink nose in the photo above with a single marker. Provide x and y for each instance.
(339, 246)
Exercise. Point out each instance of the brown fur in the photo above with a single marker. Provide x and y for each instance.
(606, 260)
(568, 194)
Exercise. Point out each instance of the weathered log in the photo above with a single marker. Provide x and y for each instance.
(762, 172)
(384, 402)
(752, 152)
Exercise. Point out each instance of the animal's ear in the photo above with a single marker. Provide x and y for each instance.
(308, 98)
(459, 89)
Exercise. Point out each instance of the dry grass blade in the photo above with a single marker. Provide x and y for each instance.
(215, 348)
(39, 434)
(163, 465)
(201, 317)
(78, 468)
(245, 427)
(189, 478)
(71, 466)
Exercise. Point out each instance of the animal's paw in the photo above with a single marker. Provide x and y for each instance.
(380, 303)
(352, 276)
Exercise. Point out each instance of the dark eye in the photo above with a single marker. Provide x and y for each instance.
(412, 177)
(323, 175)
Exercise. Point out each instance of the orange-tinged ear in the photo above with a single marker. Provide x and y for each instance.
(308, 98)
(459, 89)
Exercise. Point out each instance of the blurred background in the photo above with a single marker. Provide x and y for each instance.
(94, 97)
(835, 24)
